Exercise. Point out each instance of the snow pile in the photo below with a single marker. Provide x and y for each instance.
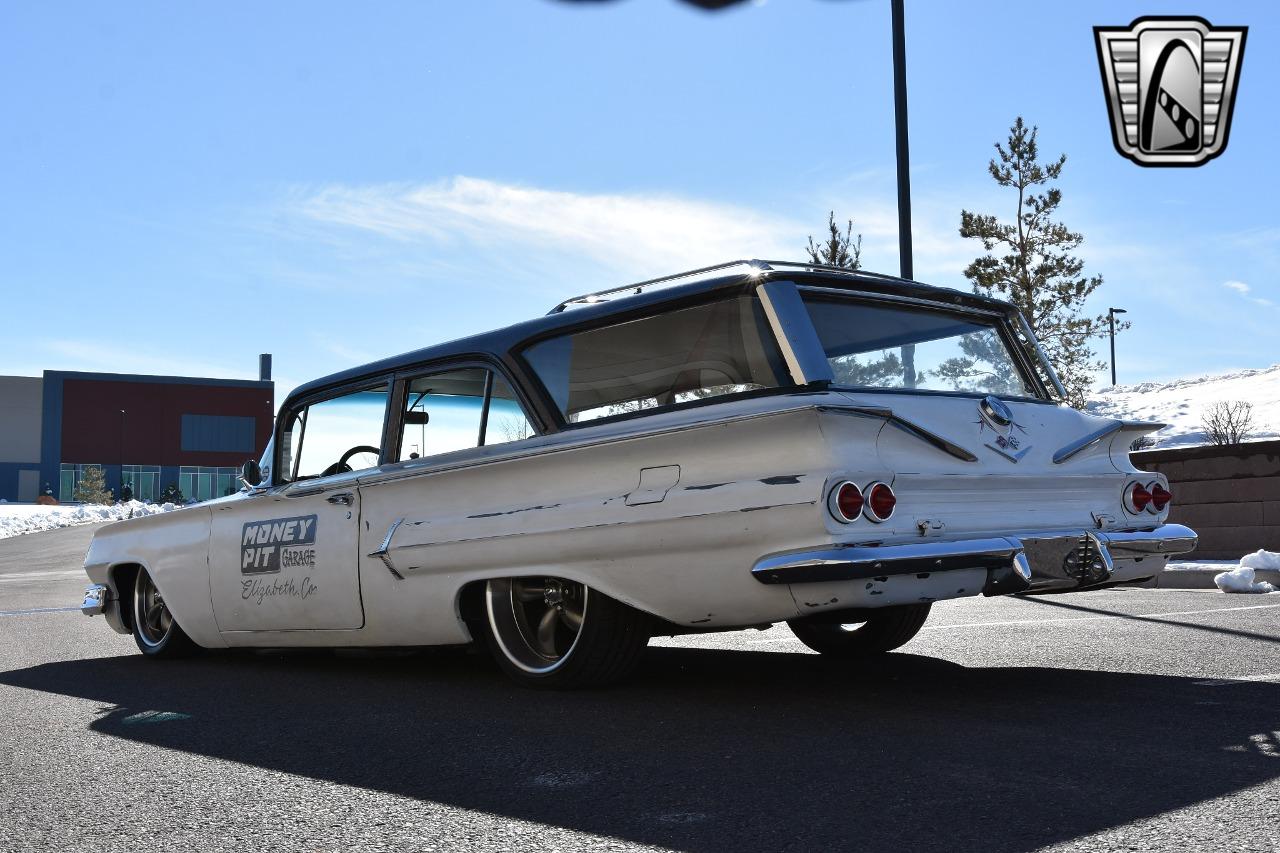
(1182, 403)
(1241, 580)
(1265, 560)
(16, 519)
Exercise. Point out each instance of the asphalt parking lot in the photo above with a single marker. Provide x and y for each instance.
(1114, 720)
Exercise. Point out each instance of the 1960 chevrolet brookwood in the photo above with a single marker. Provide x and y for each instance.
(743, 445)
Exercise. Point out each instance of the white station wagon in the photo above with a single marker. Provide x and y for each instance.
(746, 444)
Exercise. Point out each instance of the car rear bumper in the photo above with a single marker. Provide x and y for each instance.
(1049, 561)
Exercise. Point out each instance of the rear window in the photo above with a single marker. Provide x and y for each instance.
(878, 345)
(723, 347)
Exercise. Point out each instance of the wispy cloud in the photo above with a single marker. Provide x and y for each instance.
(1244, 290)
(640, 231)
(101, 358)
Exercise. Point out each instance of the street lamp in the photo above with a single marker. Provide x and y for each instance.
(121, 490)
(1111, 317)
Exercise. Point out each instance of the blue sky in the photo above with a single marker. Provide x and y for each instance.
(183, 186)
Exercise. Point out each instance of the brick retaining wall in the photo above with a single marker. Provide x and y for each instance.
(1229, 495)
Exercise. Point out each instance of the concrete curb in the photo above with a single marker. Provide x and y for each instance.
(1201, 578)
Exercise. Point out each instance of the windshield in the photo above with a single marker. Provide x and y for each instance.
(882, 345)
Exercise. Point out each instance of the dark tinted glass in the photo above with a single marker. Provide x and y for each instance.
(722, 347)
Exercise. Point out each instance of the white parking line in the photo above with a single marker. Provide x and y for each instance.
(30, 611)
(1099, 617)
(27, 577)
(1238, 679)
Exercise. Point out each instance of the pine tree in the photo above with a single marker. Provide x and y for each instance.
(1029, 261)
(839, 249)
(888, 369)
(92, 488)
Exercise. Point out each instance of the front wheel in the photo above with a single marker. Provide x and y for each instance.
(555, 633)
(882, 630)
(154, 628)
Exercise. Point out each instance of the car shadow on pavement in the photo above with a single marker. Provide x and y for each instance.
(716, 750)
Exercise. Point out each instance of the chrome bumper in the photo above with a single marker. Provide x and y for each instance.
(95, 601)
(1051, 561)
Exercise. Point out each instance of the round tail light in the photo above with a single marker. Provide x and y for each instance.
(846, 502)
(880, 502)
(1160, 496)
(1136, 498)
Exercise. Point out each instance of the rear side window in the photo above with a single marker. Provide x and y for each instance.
(723, 347)
(457, 410)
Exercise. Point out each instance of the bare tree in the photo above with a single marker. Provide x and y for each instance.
(1228, 421)
(513, 428)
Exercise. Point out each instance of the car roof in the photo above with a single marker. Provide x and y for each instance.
(597, 308)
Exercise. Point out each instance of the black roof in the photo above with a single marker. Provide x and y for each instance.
(633, 299)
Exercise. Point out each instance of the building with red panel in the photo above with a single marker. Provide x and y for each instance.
(147, 433)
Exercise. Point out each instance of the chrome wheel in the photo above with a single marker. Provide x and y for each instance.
(535, 621)
(150, 615)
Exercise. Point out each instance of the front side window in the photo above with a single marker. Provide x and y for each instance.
(723, 347)
(879, 345)
(335, 436)
(457, 410)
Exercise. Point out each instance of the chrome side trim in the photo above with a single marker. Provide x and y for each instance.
(1067, 451)
(791, 326)
(95, 600)
(559, 442)
(943, 444)
(383, 550)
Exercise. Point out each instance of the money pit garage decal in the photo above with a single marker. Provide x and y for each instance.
(266, 546)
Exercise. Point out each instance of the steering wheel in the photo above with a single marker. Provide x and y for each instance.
(343, 465)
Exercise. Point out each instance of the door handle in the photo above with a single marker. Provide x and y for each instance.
(343, 498)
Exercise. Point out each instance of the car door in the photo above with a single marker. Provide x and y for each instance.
(287, 559)
(419, 510)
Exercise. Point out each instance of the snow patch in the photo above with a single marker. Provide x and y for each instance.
(1182, 403)
(17, 519)
(1240, 579)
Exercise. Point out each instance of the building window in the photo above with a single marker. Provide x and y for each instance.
(198, 483)
(69, 478)
(142, 480)
(217, 434)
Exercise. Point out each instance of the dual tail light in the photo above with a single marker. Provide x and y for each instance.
(876, 502)
(1153, 497)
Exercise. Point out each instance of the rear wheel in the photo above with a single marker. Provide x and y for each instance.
(550, 632)
(883, 630)
(154, 628)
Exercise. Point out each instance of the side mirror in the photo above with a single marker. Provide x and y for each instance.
(250, 473)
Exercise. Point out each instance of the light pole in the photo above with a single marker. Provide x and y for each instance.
(904, 170)
(1111, 317)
